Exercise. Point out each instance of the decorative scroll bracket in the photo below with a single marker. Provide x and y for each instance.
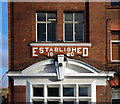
(60, 65)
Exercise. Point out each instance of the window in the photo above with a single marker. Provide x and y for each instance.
(68, 102)
(46, 24)
(65, 93)
(38, 102)
(84, 90)
(53, 102)
(115, 3)
(116, 95)
(53, 91)
(74, 27)
(38, 91)
(84, 102)
(68, 90)
(115, 45)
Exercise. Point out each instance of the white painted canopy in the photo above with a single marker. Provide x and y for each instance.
(72, 68)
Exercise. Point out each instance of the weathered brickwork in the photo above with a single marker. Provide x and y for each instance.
(22, 32)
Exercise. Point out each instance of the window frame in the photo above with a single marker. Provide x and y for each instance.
(112, 3)
(73, 13)
(45, 22)
(61, 97)
(89, 91)
(115, 91)
(111, 56)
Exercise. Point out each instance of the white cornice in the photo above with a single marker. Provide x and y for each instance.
(15, 74)
(60, 44)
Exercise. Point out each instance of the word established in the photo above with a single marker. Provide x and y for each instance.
(53, 50)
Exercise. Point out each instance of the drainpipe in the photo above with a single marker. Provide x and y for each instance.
(106, 52)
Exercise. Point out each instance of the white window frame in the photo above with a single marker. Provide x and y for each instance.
(113, 41)
(61, 98)
(64, 22)
(45, 22)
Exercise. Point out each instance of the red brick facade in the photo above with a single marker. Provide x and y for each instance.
(22, 32)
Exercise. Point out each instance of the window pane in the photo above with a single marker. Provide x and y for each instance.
(68, 16)
(38, 102)
(38, 92)
(115, 35)
(115, 101)
(83, 102)
(53, 102)
(51, 32)
(113, 3)
(79, 17)
(41, 17)
(68, 102)
(68, 31)
(51, 17)
(83, 91)
(41, 32)
(115, 50)
(53, 92)
(68, 91)
(79, 36)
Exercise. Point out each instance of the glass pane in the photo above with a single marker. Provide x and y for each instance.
(115, 101)
(68, 91)
(53, 102)
(68, 31)
(38, 92)
(115, 35)
(83, 102)
(113, 3)
(38, 102)
(41, 32)
(79, 35)
(41, 17)
(68, 16)
(83, 91)
(79, 17)
(51, 31)
(51, 17)
(68, 102)
(53, 92)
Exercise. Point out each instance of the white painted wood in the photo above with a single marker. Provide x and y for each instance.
(77, 92)
(28, 93)
(61, 98)
(113, 41)
(45, 93)
(60, 44)
(36, 65)
(66, 75)
(36, 27)
(93, 91)
(60, 69)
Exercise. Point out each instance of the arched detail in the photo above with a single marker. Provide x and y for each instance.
(83, 65)
(38, 64)
(50, 63)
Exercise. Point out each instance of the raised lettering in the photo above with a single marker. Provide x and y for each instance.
(41, 49)
(85, 51)
(34, 51)
(79, 50)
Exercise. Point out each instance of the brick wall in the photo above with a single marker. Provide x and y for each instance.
(22, 31)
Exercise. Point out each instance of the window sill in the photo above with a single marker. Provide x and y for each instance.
(60, 44)
(113, 7)
(114, 62)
